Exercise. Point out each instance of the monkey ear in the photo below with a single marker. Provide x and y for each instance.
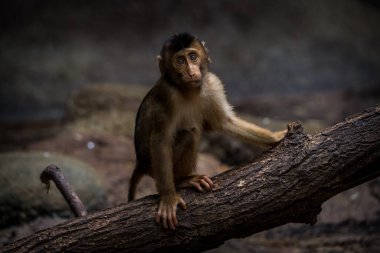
(205, 48)
(160, 64)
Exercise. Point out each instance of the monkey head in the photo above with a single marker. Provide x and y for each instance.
(183, 61)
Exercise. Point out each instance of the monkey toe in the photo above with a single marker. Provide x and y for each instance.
(197, 186)
(202, 183)
(209, 181)
(205, 184)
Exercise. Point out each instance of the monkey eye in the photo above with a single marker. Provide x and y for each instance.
(180, 60)
(193, 57)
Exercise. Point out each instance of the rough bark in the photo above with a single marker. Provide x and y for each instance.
(287, 184)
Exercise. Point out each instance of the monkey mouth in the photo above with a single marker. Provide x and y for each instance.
(194, 83)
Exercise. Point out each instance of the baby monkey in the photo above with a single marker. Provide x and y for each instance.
(186, 101)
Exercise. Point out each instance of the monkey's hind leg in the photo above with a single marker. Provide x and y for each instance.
(185, 158)
(135, 179)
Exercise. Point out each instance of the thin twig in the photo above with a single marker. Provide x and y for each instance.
(52, 172)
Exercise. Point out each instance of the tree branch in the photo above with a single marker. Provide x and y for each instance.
(287, 184)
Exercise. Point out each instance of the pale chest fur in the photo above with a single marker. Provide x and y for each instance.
(210, 107)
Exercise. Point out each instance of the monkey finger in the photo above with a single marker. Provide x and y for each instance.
(158, 217)
(182, 203)
(170, 220)
(174, 218)
(174, 215)
(280, 134)
(165, 220)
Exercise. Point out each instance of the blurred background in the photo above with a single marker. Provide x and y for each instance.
(72, 74)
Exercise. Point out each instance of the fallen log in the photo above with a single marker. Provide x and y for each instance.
(287, 184)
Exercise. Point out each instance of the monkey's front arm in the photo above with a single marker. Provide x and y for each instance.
(161, 155)
(252, 133)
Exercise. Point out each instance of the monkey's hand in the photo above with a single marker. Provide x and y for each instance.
(199, 182)
(167, 210)
(279, 135)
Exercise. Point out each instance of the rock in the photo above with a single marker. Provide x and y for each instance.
(23, 197)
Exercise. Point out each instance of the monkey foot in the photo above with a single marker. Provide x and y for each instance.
(199, 182)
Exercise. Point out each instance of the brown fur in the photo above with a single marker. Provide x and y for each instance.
(185, 102)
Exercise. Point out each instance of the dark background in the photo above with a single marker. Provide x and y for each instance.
(50, 48)
(280, 60)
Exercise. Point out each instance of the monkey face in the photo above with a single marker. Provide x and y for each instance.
(183, 61)
(187, 65)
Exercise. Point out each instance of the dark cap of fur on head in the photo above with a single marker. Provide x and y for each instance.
(178, 42)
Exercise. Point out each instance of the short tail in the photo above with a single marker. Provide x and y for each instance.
(135, 179)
